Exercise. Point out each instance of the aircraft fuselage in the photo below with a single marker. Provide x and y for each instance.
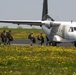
(66, 32)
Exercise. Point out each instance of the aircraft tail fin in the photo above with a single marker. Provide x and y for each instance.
(45, 15)
(45, 9)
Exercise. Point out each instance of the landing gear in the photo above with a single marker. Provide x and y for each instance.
(54, 43)
(75, 44)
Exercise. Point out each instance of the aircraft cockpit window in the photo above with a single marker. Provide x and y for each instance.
(74, 28)
(71, 29)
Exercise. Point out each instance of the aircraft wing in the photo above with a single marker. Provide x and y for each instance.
(30, 22)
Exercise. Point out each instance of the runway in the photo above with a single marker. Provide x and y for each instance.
(27, 42)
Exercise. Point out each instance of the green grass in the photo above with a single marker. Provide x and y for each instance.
(37, 60)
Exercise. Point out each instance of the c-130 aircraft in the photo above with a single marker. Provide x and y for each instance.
(56, 31)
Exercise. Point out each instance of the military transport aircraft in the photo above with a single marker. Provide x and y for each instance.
(56, 31)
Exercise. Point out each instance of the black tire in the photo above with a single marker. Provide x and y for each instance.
(54, 44)
(75, 44)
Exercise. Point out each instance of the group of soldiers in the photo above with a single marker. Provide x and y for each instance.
(6, 37)
(40, 39)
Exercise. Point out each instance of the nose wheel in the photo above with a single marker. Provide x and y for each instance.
(75, 44)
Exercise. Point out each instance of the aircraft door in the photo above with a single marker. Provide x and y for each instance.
(63, 31)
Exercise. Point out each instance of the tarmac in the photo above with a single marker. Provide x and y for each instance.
(27, 43)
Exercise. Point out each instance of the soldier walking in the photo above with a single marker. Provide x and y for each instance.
(4, 37)
(9, 37)
(40, 39)
(32, 38)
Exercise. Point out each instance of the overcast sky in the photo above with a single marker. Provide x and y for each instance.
(64, 10)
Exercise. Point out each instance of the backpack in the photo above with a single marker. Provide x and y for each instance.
(29, 36)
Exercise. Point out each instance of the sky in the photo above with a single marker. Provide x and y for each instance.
(60, 10)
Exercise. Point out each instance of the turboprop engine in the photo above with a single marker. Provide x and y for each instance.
(48, 24)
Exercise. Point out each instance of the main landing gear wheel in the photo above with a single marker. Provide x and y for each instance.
(54, 43)
(75, 44)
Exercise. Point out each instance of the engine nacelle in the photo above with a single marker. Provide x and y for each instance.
(49, 24)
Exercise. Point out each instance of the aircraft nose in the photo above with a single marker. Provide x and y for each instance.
(74, 35)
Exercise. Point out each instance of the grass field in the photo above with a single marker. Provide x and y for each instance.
(37, 60)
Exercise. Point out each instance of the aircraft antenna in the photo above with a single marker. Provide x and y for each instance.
(71, 21)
